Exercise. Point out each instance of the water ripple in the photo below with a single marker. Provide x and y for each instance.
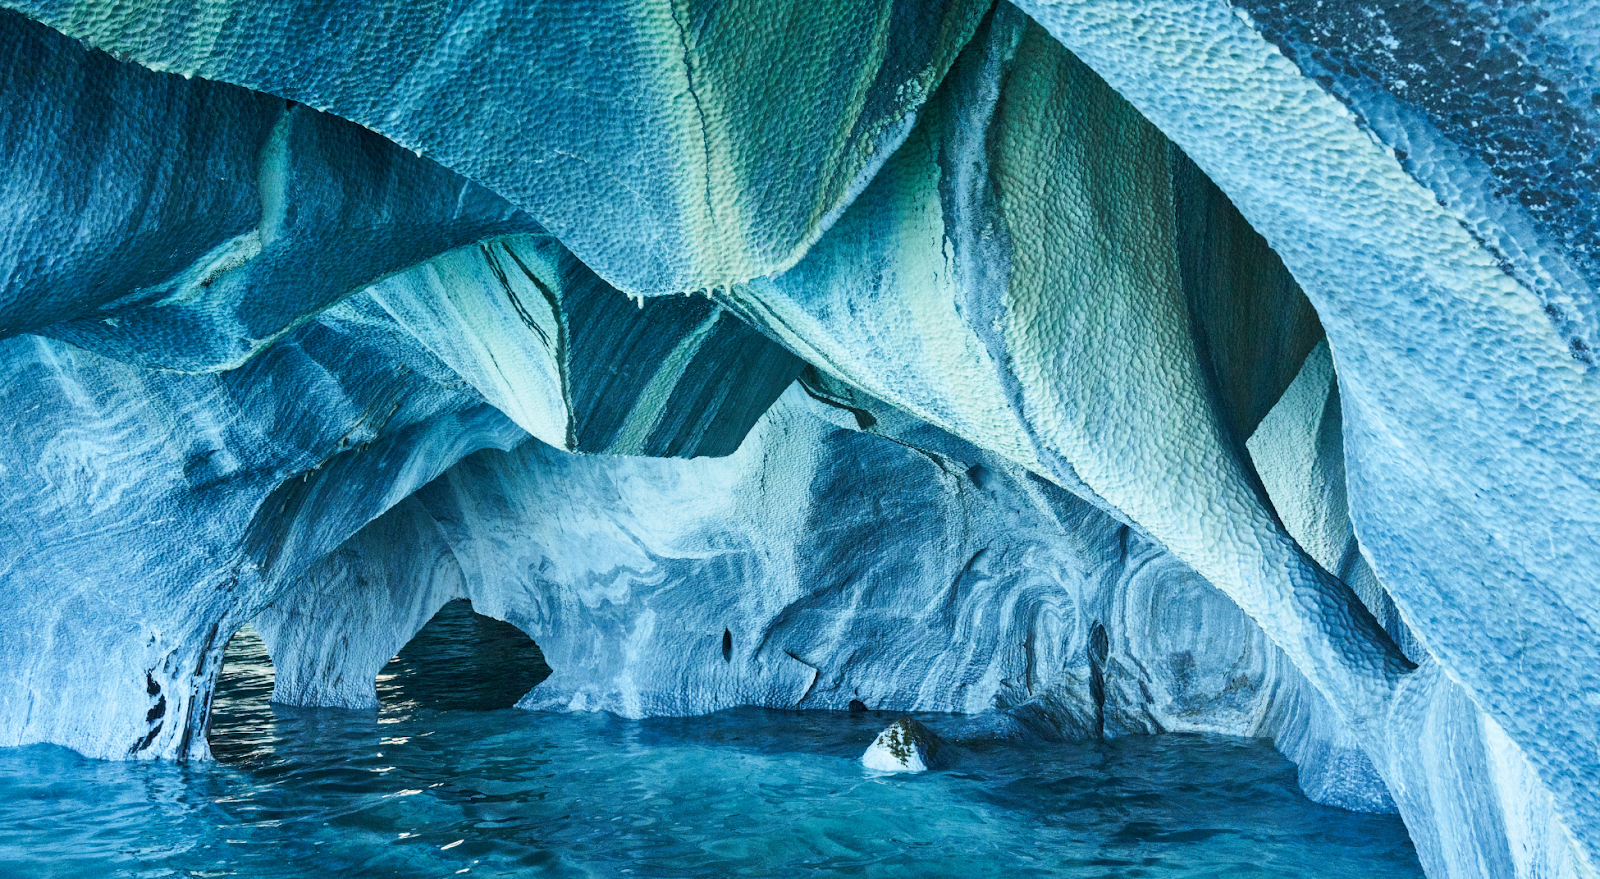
(416, 790)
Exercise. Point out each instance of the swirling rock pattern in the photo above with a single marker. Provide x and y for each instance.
(186, 224)
(1464, 399)
(1236, 357)
(814, 567)
(672, 145)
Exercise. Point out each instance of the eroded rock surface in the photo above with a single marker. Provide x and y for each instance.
(816, 566)
(673, 146)
(1170, 365)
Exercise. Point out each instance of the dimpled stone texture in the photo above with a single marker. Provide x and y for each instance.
(1403, 518)
(673, 146)
(1464, 407)
(1036, 307)
(1501, 92)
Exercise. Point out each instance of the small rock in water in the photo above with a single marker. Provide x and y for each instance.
(906, 746)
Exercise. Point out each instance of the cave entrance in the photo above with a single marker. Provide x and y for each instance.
(241, 713)
(462, 661)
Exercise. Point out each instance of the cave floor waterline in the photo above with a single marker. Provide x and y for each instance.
(413, 790)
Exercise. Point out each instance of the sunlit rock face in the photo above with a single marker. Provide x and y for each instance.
(1178, 364)
(906, 746)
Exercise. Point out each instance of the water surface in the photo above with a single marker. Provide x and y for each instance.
(429, 787)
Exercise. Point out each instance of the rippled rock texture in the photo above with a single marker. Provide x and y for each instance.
(1087, 367)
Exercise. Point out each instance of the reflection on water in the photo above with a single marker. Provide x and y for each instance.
(462, 661)
(416, 790)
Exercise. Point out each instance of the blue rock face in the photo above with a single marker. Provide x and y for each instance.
(814, 567)
(184, 224)
(209, 228)
(1450, 317)
(1090, 368)
(672, 146)
(1500, 97)
(196, 489)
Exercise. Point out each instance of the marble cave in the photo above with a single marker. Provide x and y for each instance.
(680, 438)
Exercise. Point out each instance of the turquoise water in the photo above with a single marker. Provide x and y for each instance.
(429, 787)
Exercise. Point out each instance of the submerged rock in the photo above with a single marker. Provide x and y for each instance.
(906, 746)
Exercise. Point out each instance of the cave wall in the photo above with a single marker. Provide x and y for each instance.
(863, 569)
(146, 514)
(672, 146)
(1470, 798)
(185, 224)
(205, 410)
(1455, 321)
(293, 263)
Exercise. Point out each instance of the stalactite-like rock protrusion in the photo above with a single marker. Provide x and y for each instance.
(579, 366)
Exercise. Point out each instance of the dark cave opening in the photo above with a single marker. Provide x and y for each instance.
(462, 661)
(241, 711)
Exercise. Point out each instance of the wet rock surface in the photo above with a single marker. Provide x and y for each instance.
(906, 746)
(1087, 368)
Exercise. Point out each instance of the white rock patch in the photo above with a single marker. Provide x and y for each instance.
(906, 746)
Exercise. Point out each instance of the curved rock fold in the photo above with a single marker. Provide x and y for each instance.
(1086, 367)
